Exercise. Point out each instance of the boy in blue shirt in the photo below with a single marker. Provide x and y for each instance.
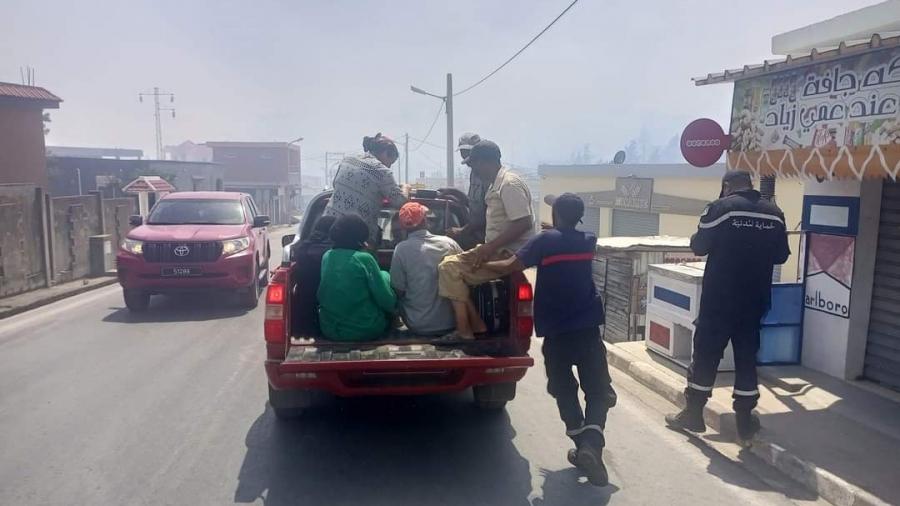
(568, 313)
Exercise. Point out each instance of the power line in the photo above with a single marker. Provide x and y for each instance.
(430, 144)
(431, 128)
(513, 57)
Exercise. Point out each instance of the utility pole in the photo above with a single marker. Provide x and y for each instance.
(448, 104)
(451, 180)
(156, 109)
(406, 158)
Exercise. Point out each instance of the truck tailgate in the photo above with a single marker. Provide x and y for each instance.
(392, 370)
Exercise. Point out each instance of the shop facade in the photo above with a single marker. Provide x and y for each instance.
(830, 119)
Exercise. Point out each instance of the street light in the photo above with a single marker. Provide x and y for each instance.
(448, 101)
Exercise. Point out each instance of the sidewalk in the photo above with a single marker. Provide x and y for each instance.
(22, 302)
(839, 439)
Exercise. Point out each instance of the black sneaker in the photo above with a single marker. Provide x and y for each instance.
(590, 461)
(687, 419)
(747, 426)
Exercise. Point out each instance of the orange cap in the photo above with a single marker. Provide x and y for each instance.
(412, 214)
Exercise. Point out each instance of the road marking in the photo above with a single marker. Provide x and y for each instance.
(29, 317)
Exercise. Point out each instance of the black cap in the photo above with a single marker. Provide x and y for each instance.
(738, 176)
(484, 150)
(569, 207)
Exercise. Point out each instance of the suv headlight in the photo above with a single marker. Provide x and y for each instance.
(133, 246)
(232, 246)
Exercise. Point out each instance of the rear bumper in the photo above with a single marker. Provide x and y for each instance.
(395, 377)
(227, 273)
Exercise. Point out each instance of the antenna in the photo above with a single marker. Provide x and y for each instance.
(156, 93)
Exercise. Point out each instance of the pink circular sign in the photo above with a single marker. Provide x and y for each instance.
(703, 142)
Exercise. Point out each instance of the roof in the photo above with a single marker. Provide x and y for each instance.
(813, 58)
(243, 144)
(634, 169)
(851, 27)
(148, 184)
(649, 243)
(83, 152)
(205, 195)
(33, 94)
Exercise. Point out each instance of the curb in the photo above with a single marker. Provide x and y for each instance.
(56, 298)
(671, 387)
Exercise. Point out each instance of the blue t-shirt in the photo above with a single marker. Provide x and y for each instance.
(565, 298)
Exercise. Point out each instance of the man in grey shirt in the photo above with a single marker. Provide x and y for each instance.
(414, 274)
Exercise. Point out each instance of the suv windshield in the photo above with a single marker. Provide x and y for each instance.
(197, 212)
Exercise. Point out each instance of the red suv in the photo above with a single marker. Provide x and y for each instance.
(195, 241)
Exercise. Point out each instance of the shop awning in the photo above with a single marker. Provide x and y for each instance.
(832, 114)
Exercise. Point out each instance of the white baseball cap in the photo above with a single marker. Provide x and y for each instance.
(468, 140)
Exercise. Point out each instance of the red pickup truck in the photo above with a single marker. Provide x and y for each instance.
(300, 361)
(195, 241)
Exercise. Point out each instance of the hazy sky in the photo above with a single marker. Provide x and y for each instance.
(335, 70)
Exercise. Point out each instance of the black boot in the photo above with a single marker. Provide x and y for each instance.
(747, 425)
(589, 455)
(690, 418)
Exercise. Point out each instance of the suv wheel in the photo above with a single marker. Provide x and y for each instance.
(136, 300)
(250, 296)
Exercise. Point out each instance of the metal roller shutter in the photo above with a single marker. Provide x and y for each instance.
(633, 224)
(882, 363)
(591, 220)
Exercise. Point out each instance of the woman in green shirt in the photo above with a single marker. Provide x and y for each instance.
(355, 295)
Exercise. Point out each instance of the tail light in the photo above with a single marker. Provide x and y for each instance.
(275, 325)
(524, 311)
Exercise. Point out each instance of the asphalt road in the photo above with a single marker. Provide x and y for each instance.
(99, 407)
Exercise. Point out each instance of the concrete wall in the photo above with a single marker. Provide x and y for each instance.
(115, 218)
(22, 145)
(75, 219)
(21, 247)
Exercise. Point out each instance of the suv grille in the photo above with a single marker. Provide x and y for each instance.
(185, 252)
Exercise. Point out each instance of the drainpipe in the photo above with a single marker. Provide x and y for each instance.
(767, 187)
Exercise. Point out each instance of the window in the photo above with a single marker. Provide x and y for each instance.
(248, 210)
(196, 212)
(253, 210)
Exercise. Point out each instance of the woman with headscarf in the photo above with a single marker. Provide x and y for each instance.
(356, 301)
(363, 184)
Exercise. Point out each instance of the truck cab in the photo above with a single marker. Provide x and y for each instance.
(301, 362)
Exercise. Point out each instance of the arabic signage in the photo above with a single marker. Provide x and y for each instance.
(633, 193)
(703, 142)
(820, 120)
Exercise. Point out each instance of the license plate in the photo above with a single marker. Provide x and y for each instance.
(180, 272)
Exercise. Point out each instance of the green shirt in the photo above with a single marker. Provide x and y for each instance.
(355, 296)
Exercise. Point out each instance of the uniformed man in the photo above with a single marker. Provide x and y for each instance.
(743, 237)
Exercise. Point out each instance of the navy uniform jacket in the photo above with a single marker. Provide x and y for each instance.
(744, 238)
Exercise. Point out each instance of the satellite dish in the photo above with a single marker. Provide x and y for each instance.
(619, 158)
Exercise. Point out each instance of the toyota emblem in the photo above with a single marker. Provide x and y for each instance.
(182, 250)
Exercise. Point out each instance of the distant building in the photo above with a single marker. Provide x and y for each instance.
(189, 151)
(75, 175)
(22, 133)
(109, 153)
(263, 170)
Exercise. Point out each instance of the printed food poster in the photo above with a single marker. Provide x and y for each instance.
(829, 274)
(803, 117)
